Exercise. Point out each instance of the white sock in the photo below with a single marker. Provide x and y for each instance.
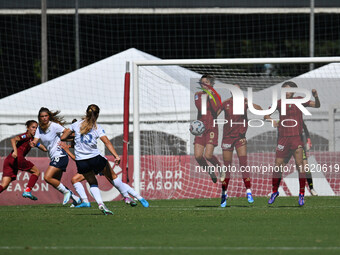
(132, 192)
(62, 188)
(81, 191)
(74, 197)
(248, 190)
(120, 186)
(96, 194)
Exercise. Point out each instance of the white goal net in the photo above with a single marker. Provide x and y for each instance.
(164, 162)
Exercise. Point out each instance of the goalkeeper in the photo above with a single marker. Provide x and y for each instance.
(206, 143)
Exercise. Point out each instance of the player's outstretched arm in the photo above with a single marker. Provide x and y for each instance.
(110, 147)
(41, 147)
(257, 107)
(268, 118)
(316, 103)
(34, 143)
(67, 132)
(66, 148)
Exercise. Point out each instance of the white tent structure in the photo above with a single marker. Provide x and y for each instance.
(165, 96)
(102, 83)
(324, 120)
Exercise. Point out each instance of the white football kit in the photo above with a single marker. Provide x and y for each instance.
(51, 139)
(86, 145)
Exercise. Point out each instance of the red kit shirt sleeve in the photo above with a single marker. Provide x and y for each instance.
(291, 123)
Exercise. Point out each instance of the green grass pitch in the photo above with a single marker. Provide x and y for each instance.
(196, 226)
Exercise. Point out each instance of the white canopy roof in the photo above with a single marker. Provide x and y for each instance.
(102, 83)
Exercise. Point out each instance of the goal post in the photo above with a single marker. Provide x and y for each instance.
(227, 71)
(126, 123)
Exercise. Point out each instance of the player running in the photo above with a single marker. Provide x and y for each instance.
(49, 131)
(234, 136)
(206, 143)
(16, 160)
(111, 176)
(88, 159)
(289, 139)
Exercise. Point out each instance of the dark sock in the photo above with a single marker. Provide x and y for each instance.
(276, 184)
(226, 180)
(302, 181)
(309, 180)
(245, 175)
(31, 182)
(214, 161)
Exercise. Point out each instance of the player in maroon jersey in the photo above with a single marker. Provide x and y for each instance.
(290, 139)
(205, 144)
(307, 145)
(234, 136)
(16, 160)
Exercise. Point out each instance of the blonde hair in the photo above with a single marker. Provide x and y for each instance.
(90, 120)
(53, 116)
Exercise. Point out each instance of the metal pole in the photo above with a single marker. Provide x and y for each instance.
(44, 70)
(311, 34)
(125, 161)
(77, 35)
(136, 134)
(331, 128)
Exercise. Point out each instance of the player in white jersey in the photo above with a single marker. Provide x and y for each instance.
(89, 161)
(48, 133)
(124, 189)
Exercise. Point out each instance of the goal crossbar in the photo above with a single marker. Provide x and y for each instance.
(236, 61)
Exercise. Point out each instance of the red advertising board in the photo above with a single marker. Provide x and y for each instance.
(164, 177)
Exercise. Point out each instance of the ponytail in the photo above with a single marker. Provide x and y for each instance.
(90, 120)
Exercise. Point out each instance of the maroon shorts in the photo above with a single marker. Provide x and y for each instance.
(287, 144)
(210, 136)
(229, 143)
(11, 166)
